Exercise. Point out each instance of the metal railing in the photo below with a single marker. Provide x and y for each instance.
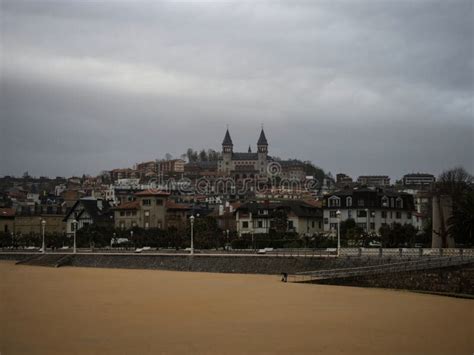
(411, 265)
(287, 252)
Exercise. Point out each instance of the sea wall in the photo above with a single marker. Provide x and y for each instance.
(244, 264)
(454, 279)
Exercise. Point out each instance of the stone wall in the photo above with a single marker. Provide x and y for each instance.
(205, 263)
(454, 279)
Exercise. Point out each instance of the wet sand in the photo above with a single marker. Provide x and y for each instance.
(110, 311)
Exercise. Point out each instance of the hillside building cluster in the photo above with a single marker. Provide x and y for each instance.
(140, 197)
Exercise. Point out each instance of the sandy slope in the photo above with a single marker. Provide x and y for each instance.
(86, 311)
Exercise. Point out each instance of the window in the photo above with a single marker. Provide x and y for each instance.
(398, 215)
(372, 226)
(334, 201)
(361, 213)
(159, 202)
(129, 213)
(360, 203)
(122, 213)
(245, 225)
(290, 224)
(260, 224)
(332, 214)
(362, 225)
(147, 225)
(409, 215)
(399, 203)
(385, 201)
(384, 214)
(146, 202)
(349, 214)
(326, 221)
(348, 201)
(134, 213)
(333, 226)
(312, 224)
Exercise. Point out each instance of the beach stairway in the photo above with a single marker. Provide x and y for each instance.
(50, 260)
(410, 265)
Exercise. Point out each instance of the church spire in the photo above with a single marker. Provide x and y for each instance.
(262, 140)
(250, 149)
(227, 140)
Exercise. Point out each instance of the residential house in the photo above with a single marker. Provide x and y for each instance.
(88, 211)
(147, 211)
(258, 217)
(418, 180)
(374, 180)
(7, 220)
(370, 208)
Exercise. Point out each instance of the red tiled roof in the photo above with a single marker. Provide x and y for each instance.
(235, 205)
(7, 212)
(152, 193)
(132, 205)
(314, 203)
(171, 205)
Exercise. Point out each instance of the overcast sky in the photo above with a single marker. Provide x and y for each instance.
(376, 87)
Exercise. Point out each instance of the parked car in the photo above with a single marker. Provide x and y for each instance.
(375, 244)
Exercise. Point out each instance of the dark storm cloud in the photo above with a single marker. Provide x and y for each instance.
(359, 87)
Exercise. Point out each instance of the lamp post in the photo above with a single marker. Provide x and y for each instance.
(367, 220)
(338, 215)
(191, 220)
(253, 244)
(227, 239)
(74, 227)
(43, 225)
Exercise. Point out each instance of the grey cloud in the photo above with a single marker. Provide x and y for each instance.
(381, 87)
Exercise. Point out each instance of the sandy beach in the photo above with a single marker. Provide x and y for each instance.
(110, 311)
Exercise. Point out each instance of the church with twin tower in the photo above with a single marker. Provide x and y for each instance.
(244, 165)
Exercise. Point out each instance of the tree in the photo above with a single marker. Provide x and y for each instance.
(212, 155)
(451, 183)
(461, 223)
(397, 235)
(192, 155)
(280, 221)
(203, 155)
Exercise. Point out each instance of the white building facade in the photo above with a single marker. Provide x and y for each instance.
(369, 208)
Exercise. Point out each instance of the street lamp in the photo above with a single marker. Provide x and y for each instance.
(43, 225)
(74, 227)
(338, 215)
(367, 220)
(191, 220)
(253, 244)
